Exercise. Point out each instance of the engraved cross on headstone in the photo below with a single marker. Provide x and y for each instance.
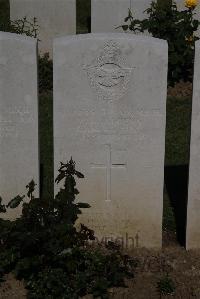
(109, 165)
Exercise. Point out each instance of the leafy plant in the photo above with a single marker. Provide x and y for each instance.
(21, 26)
(45, 248)
(177, 28)
(166, 285)
(2, 207)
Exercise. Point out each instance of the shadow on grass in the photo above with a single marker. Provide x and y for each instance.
(46, 145)
(4, 13)
(176, 182)
(83, 16)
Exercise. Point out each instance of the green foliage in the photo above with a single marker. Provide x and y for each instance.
(2, 207)
(166, 285)
(47, 250)
(178, 131)
(177, 28)
(169, 223)
(21, 26)
(46, 144)
(45, 73)
(15, 202)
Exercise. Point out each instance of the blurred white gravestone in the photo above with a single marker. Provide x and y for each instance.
(109, 115)
(193, 213)
(106, 15)
(54, 17)
(19, 159)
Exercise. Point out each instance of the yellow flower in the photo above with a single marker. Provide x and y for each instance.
(191, 3)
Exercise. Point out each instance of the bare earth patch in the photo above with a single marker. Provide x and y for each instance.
(181, 89)
(12, 288)
(181, 265)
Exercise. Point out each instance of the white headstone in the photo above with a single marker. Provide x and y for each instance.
(106, 15)
(193, 213)
(109, 115)
(19, 162)
(55, 18)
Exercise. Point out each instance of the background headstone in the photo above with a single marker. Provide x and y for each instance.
(55, 18)
(19, 159)
(193, 214)
(106, 15)
(109, 115)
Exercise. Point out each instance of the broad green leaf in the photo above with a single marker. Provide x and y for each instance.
(83, 205)
(15, 202)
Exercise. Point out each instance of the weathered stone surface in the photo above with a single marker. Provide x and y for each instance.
(106, 15)
(109, 114)
(55, 18)
(193, 213)
(19, 162)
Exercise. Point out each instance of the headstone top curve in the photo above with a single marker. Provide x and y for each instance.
(15, 36)
(88, 36)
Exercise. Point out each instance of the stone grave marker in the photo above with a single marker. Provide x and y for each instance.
(109, 115)
(19, 159)
(106, 15)
(54, 17)
(193, 212)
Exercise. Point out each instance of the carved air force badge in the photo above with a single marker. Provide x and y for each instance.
(109, 77)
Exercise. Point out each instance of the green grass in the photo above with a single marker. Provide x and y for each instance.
(83, 8)
(46, 143)
(177, 149)
(4, 12)
(169, 223)
(178, 131)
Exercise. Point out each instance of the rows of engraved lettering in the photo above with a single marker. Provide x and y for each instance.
(125, 122)
(10, 118)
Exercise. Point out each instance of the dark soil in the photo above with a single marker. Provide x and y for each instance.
(12, 288)
(181, 89)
